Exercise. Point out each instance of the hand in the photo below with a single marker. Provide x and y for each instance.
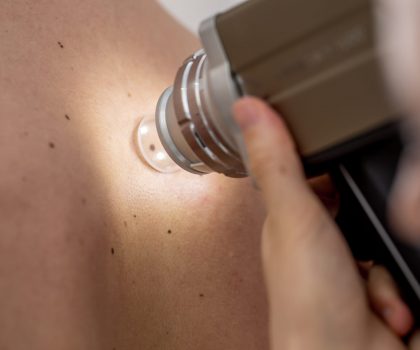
(317, 298)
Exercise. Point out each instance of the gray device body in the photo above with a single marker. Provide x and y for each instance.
(316, 62)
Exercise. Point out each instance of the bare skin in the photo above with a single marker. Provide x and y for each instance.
(97, 251)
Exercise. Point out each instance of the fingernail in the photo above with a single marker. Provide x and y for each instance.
(246, 114)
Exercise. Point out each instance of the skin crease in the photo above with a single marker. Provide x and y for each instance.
(86, 257)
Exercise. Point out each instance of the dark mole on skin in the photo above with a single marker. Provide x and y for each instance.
(134, 216)
(169, 232)
(60, 44)
(112, 251)
(51, 144)
(201, 295)
(152, 147)
(67, 116)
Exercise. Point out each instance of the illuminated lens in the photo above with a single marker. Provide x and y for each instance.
(151, 149)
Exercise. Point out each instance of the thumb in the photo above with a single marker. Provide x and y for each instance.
(306, 262)
(273, 159)
(276, 167)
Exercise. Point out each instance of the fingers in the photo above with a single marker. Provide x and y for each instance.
(309, 272)
(386, 301)
(273, 160)
(293, 209)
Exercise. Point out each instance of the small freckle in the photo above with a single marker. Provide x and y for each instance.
(112, 251)
(129, 95)
(67, 116)
(60, 44)
(51, 145)
(169, 232)
(152, 147)
(125, 223)
(134, 216)
(84, 201)
(201, 295)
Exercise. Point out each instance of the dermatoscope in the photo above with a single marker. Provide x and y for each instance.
(318, 64)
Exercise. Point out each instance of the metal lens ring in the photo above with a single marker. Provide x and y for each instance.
(192, 117)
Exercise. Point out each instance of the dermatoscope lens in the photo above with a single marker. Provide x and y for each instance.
(151, 149)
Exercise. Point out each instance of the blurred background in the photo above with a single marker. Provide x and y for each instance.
(191, 12)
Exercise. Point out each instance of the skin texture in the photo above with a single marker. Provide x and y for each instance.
(97, 251)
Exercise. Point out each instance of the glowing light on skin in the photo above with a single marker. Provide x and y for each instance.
(144, 130)
(108, 120)
(160, 156)
(151, 149)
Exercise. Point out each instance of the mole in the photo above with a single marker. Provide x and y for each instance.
(112, 251)
(201, 295)
(129, 95)
(169, 232)
(152, 147)
(60, 44)
(67, 116)
(51, 144)
(134, 216)
(125, 223)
